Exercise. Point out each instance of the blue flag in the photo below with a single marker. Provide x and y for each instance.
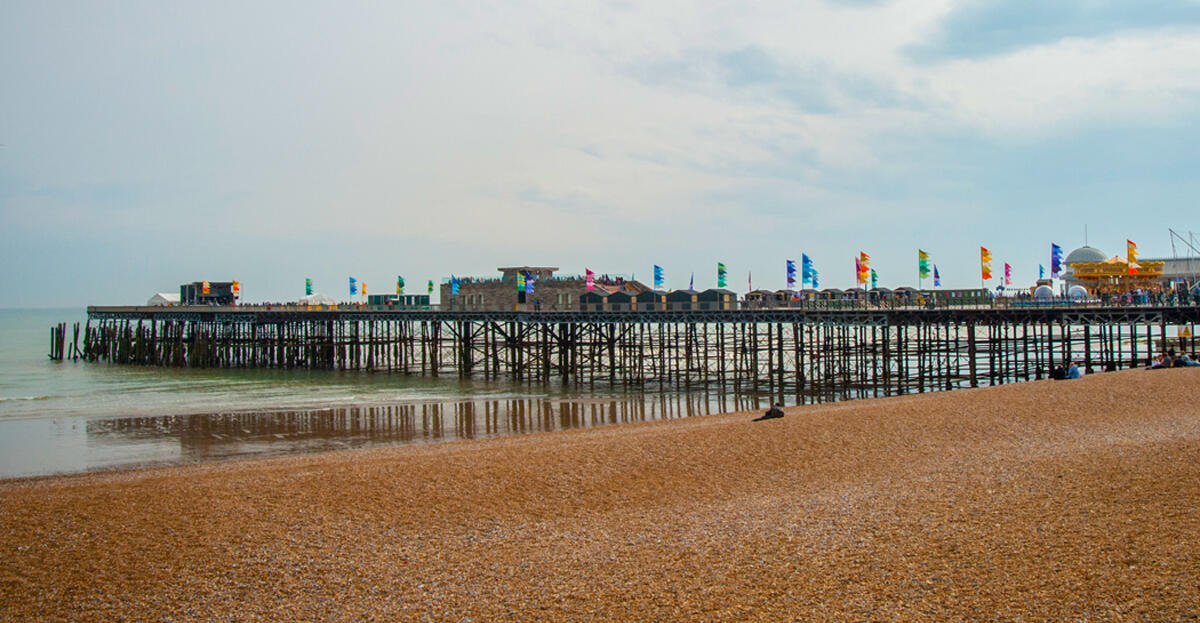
(1041, 272)
(1056, 258)
(528, 283)
(353, 286)
(791, 274)
(453, 284)
(692, 282)
(658, 277)
(937, 277)
(807, 273)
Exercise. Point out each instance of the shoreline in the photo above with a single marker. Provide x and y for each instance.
(1044, 500)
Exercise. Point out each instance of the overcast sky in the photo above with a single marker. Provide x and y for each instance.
(146, 144)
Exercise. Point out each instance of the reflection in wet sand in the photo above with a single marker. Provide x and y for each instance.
(119, 442)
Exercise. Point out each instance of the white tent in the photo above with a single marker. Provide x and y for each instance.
(317, 299)
(163, 298)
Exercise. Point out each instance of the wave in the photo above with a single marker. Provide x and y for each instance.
(9, 398)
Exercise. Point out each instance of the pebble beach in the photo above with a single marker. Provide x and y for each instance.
(1041, 501)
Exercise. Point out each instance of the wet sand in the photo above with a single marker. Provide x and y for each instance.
(1075, 500)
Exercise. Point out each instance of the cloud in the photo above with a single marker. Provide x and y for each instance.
(993, 27)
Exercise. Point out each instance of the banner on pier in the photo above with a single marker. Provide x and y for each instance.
(806, 271)
(1056, 257)
(791, 274)
(937, 277)
(874, 279)
(353, 286)
(922, 264)
(589, 279)
(236, 288)
(399, 285)
(1131, 256)
(429, 287)
(1007, 274)
(205, 287)
(721, 273)
(863, 268)
(985, 263)
(453, 284)
(307, 287)
(658, 277)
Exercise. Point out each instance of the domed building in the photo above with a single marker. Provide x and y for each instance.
(1082, 255)
(1091, 271)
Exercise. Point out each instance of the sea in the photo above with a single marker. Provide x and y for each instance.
(59, 417)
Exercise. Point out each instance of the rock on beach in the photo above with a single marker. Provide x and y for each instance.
(1048, 501)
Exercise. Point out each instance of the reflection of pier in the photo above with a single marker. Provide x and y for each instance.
(811, 355)
(211, 436)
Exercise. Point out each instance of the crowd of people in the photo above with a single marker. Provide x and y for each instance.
(1170, 360)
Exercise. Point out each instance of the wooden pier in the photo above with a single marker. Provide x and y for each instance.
(800, 355)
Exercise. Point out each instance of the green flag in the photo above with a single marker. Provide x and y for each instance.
(720, 275)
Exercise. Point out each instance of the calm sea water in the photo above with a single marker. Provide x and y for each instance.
(61, 417)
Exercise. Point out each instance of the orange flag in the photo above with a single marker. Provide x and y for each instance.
(985, 262)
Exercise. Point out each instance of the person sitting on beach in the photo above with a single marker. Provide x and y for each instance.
(772, 413)
(1159, 362)
(1184, 361)
(1058, 373)
(1073, 371)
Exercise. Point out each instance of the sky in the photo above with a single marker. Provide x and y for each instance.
(148, 144)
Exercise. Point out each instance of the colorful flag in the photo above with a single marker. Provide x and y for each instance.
(236, 288)
(806, 271)
(307, 287)
(353, 286)
(922, 264)
(205, 287)
(1131, 256)
(1041, 272)
(874, 279)
(720, 275)
(1056, 258)
(399, 285)
(692, 282)
(521, 281)
(815, 282)
(863, 265)
(985, 263)
(453, 285)
(658, 277)
(429, 287)
(791, 274)
(589, 279)
(529, 279)
(1007, 274)
(364, 288)
(937, 277)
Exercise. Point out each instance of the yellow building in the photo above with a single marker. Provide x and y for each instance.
(1116, 275)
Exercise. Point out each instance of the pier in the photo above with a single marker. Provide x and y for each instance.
(799, 355)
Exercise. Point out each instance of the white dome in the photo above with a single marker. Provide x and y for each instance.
(1043, 293)
(1077, 292)
(1085, 254)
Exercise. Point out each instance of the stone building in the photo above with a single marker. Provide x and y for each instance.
(551, 292)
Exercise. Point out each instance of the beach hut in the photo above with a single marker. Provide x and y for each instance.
(651, 300)
(717, 299)
(682, 300)
(758, 299)
(621, 300)
(593, 300)
(829, 294)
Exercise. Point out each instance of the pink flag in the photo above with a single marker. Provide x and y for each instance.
(590, 279)
(1007, 274)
